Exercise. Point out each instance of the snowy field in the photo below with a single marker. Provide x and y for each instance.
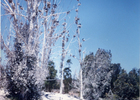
(2, 95)
(57, 96)
(47, 96)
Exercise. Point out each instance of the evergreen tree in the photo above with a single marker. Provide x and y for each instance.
(127, 85)
(116, 71)
(51, 83)
(134, 81)
(97, 74)
(138, 72)
(20, 75)
(67, 77)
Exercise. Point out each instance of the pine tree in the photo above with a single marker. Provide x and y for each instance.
(67, 77)
(50, 82)
(127, 85)
(67, 80)
(20, 72)
(116, 71)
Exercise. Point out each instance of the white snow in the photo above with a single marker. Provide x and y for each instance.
(57, 96)
(2, 95)
(47, 96)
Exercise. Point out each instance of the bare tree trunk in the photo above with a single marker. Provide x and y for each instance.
(80, 61)
(79, 49)
(62, 62)
(43, 49)
(62, 84)
(81, 85)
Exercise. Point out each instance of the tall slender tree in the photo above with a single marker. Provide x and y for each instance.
(79, 48)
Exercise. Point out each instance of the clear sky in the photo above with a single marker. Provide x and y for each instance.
(111, 25)
(108, 24)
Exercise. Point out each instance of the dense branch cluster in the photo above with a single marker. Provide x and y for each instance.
(34, 29)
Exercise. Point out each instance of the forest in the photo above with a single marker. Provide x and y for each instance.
(37, 30)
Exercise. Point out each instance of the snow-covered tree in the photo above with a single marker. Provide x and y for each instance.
(34, 29)
(63, 55)
(79, 49)
(65, 48)
(97, 75)
(20, 70)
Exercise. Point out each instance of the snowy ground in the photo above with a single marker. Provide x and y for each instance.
(57, 96)
(2, 94)
(47, 96)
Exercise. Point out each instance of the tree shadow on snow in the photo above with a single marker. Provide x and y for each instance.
(47, 96)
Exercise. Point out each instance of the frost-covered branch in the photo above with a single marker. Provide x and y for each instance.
(29, 55)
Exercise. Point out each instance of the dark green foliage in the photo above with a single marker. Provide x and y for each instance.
(134, 81)
(20, 72)
(50, 82)
(121, 86)
(12, 87)
(67, 77)
(138, 73)
(67, 80)
(116, 71)
(127, 85)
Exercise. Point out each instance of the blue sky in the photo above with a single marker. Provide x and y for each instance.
(111, 25)
(108, 24)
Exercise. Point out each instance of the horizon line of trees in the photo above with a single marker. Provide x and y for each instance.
(119, 84)
(35, 26)
(103, 79)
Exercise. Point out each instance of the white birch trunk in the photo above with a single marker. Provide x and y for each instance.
(43, 47)
(81, 85)
(62, 84)
(62, 65)
(80, 61)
